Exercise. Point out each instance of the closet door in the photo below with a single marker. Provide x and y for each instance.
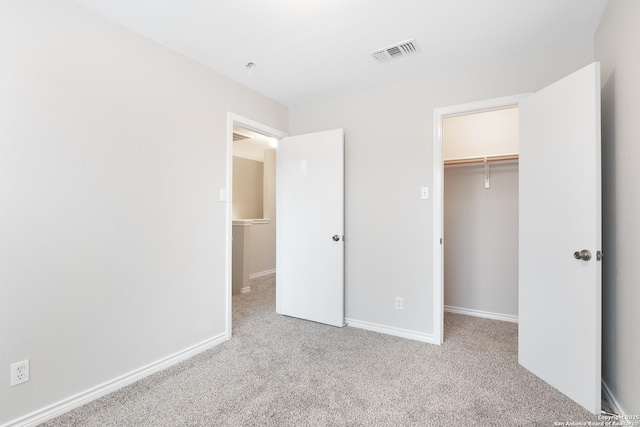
(560, 274)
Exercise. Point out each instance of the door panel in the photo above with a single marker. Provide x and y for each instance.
(560, 213)
(310, 209)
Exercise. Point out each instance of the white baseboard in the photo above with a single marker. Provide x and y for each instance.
(390, 330)
(66, 405)
(611, 399)
(245, 290)
(262, 273)
(478, 313)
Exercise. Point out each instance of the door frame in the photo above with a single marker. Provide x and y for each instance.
(438, 195)
(237, 120)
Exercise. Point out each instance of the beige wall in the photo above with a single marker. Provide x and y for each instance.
(240, 254)
(616, 47)
(263, 246)
(247, 188)
(388, 157)
(254, 195)
(489, 133)
(113, 149)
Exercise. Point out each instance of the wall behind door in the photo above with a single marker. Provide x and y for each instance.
(616, 48)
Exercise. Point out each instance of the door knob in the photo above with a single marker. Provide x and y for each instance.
(584, 255)
(336, 238)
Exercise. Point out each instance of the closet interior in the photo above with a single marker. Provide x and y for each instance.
(480, 152)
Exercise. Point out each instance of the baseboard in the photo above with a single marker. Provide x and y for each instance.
(245, 290)
(66, 405)
(611, 399)
(478, 313)
(262, 273)
(390, 330)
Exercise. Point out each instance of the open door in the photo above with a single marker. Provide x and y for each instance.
(560, 274)
(310, 227)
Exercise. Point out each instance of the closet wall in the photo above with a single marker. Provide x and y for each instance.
(247, 188)
(481, 224)
(254, 214)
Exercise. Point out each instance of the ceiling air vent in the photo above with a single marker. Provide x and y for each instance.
(395, 51)
(239, 137)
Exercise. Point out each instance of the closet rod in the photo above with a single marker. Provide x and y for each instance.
(481, 160)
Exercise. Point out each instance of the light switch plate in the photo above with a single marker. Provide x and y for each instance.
(424, 193)
(223, 194)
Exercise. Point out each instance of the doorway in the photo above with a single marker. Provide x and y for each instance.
(559, 229)
(250, 146)
(438, 201)
(480, 152)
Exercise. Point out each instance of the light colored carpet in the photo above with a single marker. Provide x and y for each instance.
(282, 371)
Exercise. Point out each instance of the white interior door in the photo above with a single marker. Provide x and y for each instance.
(560, 214)
(310, 227)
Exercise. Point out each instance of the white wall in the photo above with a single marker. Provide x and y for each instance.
(616, 46)
(481, 238)
(112, 151)
(388, 155)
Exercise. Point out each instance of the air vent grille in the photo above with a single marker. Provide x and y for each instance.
(395, 51)
(239, 137)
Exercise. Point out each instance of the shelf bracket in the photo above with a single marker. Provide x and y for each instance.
(487, 174)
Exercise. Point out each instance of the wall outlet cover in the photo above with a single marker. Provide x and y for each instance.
(19, 372)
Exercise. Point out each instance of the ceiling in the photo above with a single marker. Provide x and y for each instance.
(305, 50)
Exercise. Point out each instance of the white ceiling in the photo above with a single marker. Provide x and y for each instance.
(306, 50)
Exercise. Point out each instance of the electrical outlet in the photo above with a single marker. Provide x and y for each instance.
(398, 303)
(19, 372)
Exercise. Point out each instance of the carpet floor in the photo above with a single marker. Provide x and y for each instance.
(281, 371)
